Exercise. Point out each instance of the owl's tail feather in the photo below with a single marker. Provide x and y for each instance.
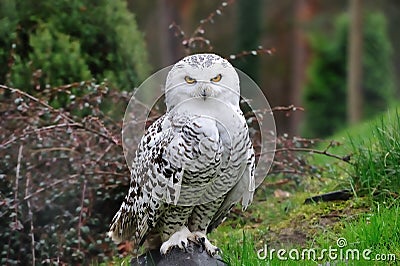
(116, 232)
(119, 233)
(126, 225)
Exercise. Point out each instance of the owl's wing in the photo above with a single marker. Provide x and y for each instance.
(155, 179)
(244, 190)
(140, 208)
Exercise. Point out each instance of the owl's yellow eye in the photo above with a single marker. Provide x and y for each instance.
(190, 80)
(216, 78)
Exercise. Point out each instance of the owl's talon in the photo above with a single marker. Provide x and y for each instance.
(202, 241)
(206, 244)
(184, 245)
(178, 239)
(217, 250)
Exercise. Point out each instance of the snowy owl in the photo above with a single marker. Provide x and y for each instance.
(193, 164)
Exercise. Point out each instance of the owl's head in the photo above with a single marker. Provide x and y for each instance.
(200, 77)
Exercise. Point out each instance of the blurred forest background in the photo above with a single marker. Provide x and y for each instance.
(309, 65)
(68, 68)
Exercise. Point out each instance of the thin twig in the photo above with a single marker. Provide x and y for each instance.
(210, 17)
(345, 158)
(260, 50)
(106, 173)
(81, 215)
(287, 108)
(254, 112)
(30, 214)
(40, 190)
(104, 153)
(53, 149)
(17, 176)
(198, 34)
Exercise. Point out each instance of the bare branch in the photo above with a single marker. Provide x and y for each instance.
(16, 224)
(30, 215)
(345, 158)
(80, 223)
(259, 51)
(287, 108)
(17, 177)
(210, 18)
(197, 36)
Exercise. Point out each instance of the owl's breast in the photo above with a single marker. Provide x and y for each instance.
(212, 153)
(214, 146)
(206, 148)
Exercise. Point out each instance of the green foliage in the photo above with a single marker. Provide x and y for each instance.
(8, 22)
(58, 57)
(67, 41)
(325, 93)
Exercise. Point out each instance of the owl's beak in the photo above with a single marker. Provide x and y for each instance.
(204, 94)
(205, 91)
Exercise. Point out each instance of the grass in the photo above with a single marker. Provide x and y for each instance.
(377, 232)
(361, 132)
(377, 164)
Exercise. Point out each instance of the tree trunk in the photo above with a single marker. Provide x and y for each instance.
(355, 96)
(168, 43)
(304, 11)
(248, 35)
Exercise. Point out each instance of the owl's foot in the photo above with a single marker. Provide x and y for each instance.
(201, 238)
(178, 239)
